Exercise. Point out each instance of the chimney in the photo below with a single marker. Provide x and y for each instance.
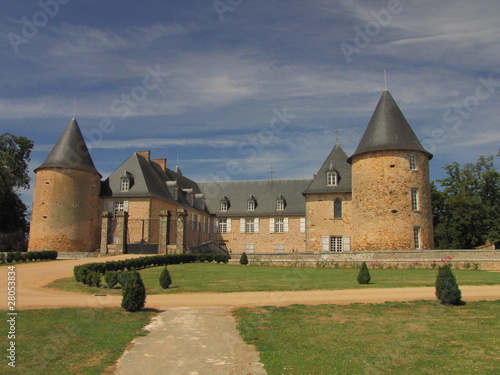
(162, 163)
(145, 154)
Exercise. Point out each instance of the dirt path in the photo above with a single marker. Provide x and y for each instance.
(32, 277)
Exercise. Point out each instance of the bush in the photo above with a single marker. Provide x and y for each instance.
(2, 258)
(134, 293)
(364, 275)
(111, 278)
(93, 278)
(10, 257)
(447, 290)
(165, 279)
(244, 259)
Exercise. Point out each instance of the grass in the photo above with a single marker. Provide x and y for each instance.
(223, 278)
(74, 341)
(392, 338)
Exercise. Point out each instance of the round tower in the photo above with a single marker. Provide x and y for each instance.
(391, 185)
(66, 205)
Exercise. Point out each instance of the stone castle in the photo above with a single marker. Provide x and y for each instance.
(378, 199)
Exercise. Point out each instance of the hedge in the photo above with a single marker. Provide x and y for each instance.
(80, 272)
(29, 256)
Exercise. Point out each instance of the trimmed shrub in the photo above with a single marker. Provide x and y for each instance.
(10, 257)
(364, 275)
(93, 278)
(244, 259)
(447, 290)
(165, 279)
(111, 278)
(2, 258)
(134, 293)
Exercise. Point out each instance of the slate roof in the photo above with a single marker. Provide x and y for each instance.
(388, 130)
(337, 160)
(70, 151)
(265, 192)
(149, 180)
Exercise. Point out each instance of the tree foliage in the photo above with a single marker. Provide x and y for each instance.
(466, 211)
(244, 259)
(14, 158)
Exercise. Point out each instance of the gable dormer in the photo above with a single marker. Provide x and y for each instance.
(126, 181)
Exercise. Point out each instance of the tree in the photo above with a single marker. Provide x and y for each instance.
(466, 212)
(244, 259)
(364, 275)
(447, 290)
(14, 158)
(165, 279)
(133, 292)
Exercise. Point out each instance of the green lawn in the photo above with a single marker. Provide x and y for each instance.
(224, 278)
(74, 341)
(392, 338)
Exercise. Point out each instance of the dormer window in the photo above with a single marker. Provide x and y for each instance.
(224, 204)
(251, 204)
(176, 193)
(280, 203)
(126, 181)
(332, 176)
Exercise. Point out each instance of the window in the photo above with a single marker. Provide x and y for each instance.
(414, 200)
(335, 244)
(416, 237)
(413, 162)
(224, 205)
(124, 184)
(119, 207)
(176, 193)
(249, 225)
(337, 209)
(280, 204)
(279, 247)
(249, 248)
(251, 205)
(222, 225)
(302, 225)
(331, 178)
(279, 225)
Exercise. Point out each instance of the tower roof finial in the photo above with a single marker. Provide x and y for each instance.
(385, 81)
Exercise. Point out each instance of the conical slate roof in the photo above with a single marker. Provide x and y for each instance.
(337, 160)
(70, 151)
(388, 130)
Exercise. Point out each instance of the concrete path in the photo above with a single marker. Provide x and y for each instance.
(191, 341)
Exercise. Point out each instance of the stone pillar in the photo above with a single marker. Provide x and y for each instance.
(181, 230)
(105, 232)
(164, 239)
(121, 232)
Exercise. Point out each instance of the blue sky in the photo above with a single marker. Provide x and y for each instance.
(231, 87)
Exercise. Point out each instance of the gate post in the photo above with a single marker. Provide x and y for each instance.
(181, 230)
(104, 232)
(164, 232)
(121, 231)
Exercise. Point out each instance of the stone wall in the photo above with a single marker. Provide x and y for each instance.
(320, 219)
(265, 241)
(383, 217)
(66, 211)
(484, 259)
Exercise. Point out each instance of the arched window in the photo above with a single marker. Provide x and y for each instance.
(337, 208)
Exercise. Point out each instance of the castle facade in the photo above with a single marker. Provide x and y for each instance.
(377, 199)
